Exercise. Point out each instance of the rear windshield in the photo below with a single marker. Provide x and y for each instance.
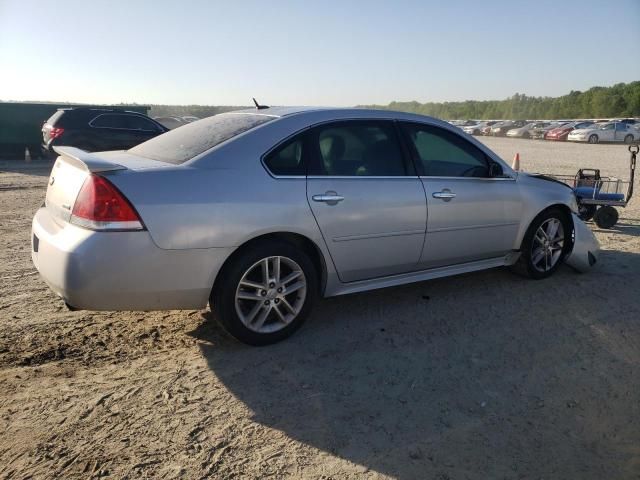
(182, 144)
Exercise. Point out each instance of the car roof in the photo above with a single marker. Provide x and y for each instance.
(339, 113)
(100, 110)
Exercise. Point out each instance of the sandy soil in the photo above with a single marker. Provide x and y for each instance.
(486, 375)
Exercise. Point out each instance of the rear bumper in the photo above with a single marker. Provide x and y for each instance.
(120, 270)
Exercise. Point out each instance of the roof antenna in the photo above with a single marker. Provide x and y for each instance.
(258, 106)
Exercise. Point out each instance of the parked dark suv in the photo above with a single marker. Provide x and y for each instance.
(96, 130)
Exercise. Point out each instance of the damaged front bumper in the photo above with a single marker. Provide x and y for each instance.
(586, 249)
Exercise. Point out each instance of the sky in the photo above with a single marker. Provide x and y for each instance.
(312, 53)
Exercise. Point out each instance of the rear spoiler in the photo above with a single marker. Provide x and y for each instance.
(87, 160)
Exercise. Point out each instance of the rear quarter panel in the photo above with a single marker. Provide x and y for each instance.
(186, 208)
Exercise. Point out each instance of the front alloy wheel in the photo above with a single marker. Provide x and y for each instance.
(547, 245)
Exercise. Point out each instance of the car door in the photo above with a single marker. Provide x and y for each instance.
(366, 198)
(474, 210)
(620, 131)
(607, 133)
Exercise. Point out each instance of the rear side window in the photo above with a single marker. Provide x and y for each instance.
(359, 148)
(182, 144)
(445, 154)
(109, 120)
(287, 159)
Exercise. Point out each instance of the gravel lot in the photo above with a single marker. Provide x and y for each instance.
(485, 375)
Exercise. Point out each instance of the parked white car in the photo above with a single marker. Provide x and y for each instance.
(606, 132)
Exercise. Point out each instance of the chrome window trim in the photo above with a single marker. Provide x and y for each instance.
(349, 177)
(484, 150)
(309, 127)
(119, 128)
(285, 177)
(497, 179)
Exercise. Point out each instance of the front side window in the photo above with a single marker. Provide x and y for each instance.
(445, 154)
(287, 159)
(358, 148)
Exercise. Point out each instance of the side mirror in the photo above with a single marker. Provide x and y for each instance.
(495, 170)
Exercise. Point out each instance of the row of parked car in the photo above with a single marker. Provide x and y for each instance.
(591, 131)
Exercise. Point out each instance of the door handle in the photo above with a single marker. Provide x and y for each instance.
(445, 195)
(330, 198)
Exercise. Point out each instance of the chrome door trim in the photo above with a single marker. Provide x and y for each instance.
(471, 227)
(378, 235)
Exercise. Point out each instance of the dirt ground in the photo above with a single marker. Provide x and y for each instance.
(485, 375)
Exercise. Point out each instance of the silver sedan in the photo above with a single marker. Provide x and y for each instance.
(260, 212)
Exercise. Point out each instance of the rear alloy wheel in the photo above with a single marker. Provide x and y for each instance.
(593, 139)
(628, 139)
(545, 245)
(265, 295)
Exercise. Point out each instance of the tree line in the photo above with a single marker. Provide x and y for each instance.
(620, 100)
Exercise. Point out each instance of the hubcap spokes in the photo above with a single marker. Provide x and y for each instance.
(271, 294)
(547, 245)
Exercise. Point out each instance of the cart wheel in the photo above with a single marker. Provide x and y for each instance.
(586, 212)
(606, 217)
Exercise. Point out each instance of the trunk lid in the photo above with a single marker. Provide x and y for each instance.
(72, 168)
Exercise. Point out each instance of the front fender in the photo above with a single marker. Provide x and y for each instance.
(539, 194)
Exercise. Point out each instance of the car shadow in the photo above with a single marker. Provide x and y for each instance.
(630, 227)
(481, 375)
(38, 168)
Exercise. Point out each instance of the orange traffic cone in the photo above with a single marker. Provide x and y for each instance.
(516, 162)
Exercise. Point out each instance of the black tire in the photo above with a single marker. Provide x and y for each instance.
(593, 139)
(586, 212)
(526, 135)
(223, 296)
(628, 139)
(524, 266)
(606, 217)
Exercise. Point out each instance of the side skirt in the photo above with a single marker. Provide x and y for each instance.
(411, 277)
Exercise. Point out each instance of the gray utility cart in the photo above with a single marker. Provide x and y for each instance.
(598, 195)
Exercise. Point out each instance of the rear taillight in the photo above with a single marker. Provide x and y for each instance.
(101, 206)
(55, 132)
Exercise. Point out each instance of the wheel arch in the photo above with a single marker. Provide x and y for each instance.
(560, 206)
(300, 241)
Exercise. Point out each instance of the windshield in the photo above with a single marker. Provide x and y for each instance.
(182, 144)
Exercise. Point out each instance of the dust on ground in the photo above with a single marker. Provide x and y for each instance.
(485, 375)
